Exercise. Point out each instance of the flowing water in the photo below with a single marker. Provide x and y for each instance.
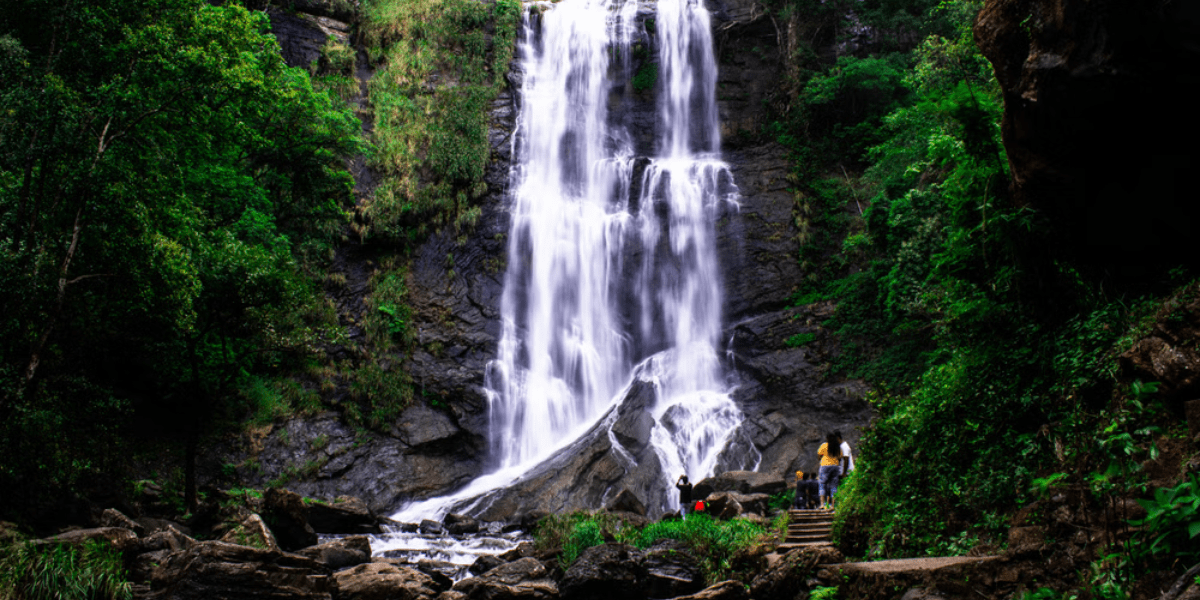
(612, 262)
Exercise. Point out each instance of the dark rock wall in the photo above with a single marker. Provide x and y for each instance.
(1099, 124)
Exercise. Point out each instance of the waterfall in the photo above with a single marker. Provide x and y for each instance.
(612, 265)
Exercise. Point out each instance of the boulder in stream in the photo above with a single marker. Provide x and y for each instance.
(231, 572)
(524, 579)
(385, 580)
(606, 571)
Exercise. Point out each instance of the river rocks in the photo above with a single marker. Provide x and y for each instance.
(153, 550)
(525, 579)
(485, 563)
(232, 572)
(251, 530)
(287, 516)
(603, 572)
(671, 570)
(459, 524)
(726, 590)
(792, 572)
(384, 580)
(340, 553)
(589, 471)
(118, 537)
(346, 514)
(112, 517)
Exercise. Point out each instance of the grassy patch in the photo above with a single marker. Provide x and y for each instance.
(91, 571)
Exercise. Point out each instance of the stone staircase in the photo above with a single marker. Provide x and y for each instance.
(808, 528)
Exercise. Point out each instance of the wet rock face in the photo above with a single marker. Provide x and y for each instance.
(592, 472)
(1095, 124)
(425, 455)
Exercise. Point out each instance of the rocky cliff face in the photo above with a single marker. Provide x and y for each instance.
(1098, 123)
(456, 284)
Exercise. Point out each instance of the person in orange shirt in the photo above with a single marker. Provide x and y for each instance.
(831, 457)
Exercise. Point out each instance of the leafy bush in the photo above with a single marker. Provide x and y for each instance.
(1172, 522)
(714, 543)
(92, 571)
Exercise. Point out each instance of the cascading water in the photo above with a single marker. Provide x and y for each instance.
(612, 264)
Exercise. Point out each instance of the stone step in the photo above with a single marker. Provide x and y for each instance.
(810, 528)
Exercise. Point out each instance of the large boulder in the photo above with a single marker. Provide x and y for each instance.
(671, 570)
(340, 553)
(524, 579)
(112, 517)
(231, 572)
(592, 469)
(385, 580)
(287, 516)
(153, 550)
(459, 524)
(603, 572)
(346, 514)
(726, 590)
(118, 537)
(792, 572)
(742, 482)
(626, 502)
(727, 505)
(251, 531)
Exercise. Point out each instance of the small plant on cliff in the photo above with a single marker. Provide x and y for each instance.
(91, 571)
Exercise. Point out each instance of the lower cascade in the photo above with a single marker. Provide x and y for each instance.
(611, 313)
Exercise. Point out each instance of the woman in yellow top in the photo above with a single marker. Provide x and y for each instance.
(831, 458)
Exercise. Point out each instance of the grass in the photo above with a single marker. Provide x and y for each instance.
(91, 571)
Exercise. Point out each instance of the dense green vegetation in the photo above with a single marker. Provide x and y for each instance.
(716, 545)
(172, 196)
(993, 361)
(170, 192)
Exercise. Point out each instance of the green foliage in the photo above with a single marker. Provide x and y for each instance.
(824, 593)
(646, 77)
(431, 141)
(91, 571)
(1172, 522)
(714, 543)
(170, 188)
(585, 535)
(800, 339)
